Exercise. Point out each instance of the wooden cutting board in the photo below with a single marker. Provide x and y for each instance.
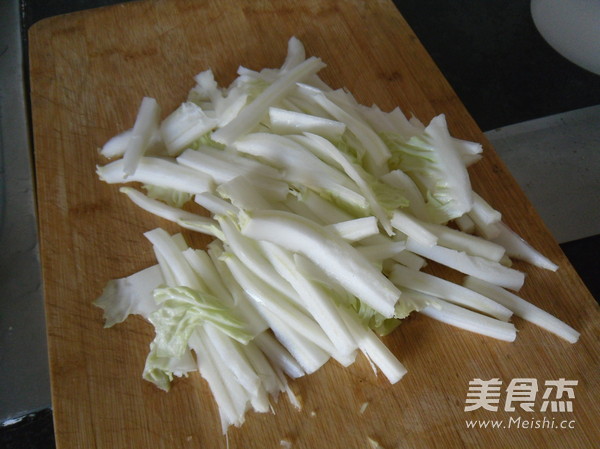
(89, 72)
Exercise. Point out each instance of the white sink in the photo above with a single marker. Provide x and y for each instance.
(572, 28)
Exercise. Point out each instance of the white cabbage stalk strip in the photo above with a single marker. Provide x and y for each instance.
(185, 125)
(410, 260)
(483, 211)
(116, 146)
(255, 323)
(295, 101)
(215, 205)
(488, 231)
(291, 351)
(357, 229)
(235, 369)
(242, 397)
(249, 253)
(299, 164)
(159, 172)
(466, 319)
(377, 152)
(461, 241)
(296, 54)
(201, 227)
(165, 270)
(523, 309)
(236, 360)
(203, 266)
(373, 348)
(337, 258)
(179, 241)
(182, 272)
(292, 122)
(487, 220)
(412, 229)
(379, 252)
(224, 167)
(232, 407)
(294, 205)
(279, 355)
(470, 152)
(457, 294)
(472, 265)
(251, 114)
(465, 224)
(165, 211)
(272, 381)
(323, 145)
(243, 193)
(264, 296)
(307, 354)
(315, 300)
(146, 124)
(222, 104)
(401, 181)
(327, 212)
(519, 249)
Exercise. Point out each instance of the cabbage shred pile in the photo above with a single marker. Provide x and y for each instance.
(324, 213)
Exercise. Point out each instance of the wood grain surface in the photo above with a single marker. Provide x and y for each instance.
(89, 72)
